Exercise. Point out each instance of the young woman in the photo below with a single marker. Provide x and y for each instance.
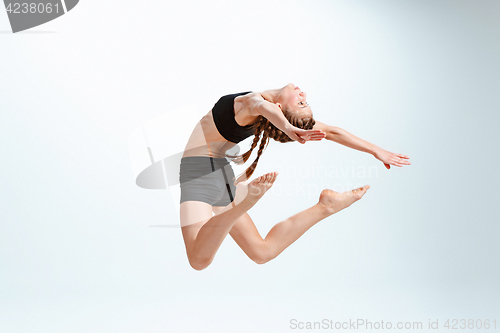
(208, 183)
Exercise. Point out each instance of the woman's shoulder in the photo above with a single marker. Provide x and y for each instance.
(252, 102)
(249, 95)
(254, 94)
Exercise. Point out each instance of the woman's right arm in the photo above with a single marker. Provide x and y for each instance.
(273, 113)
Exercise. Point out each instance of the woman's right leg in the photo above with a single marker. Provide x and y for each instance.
(286, 232)
(203, 233)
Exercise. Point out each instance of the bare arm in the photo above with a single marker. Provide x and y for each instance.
(347, 139)
(274, 114)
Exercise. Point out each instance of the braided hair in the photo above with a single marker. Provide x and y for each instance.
(265, 128)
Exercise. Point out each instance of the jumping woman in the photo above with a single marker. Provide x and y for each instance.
(208, 184)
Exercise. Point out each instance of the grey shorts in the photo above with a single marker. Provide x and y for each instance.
(207, 179)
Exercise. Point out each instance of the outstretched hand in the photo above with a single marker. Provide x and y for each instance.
(389, 158)
(301, 135)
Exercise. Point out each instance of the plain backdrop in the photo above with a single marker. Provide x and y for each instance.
(79, 250)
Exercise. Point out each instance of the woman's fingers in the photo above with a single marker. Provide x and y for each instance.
(308, 135)
(298, 138)
(315, 136)
(311, 132)
(398, 160)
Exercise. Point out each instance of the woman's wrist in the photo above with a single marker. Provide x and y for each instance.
(287, 129)
(376, 151)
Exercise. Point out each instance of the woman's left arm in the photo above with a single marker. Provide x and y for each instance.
(347, 139)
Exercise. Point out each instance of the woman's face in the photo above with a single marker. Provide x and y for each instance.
(293, 99)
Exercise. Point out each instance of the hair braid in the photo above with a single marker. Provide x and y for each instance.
(259, 125)
(268, 130)
(249, 171)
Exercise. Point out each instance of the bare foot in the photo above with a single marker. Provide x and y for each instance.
(334, 202)
(250, 193)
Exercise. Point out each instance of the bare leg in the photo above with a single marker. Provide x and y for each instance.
(288, 231)
(203, 239)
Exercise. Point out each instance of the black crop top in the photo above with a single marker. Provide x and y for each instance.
(223, 114)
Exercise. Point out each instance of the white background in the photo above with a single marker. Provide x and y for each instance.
(77, 250)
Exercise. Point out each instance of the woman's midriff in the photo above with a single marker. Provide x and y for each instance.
(205, 140)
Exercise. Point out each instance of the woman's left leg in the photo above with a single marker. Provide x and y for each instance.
(288, 231)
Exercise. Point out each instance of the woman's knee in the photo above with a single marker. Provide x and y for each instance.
(262, 256)
(199, 262)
